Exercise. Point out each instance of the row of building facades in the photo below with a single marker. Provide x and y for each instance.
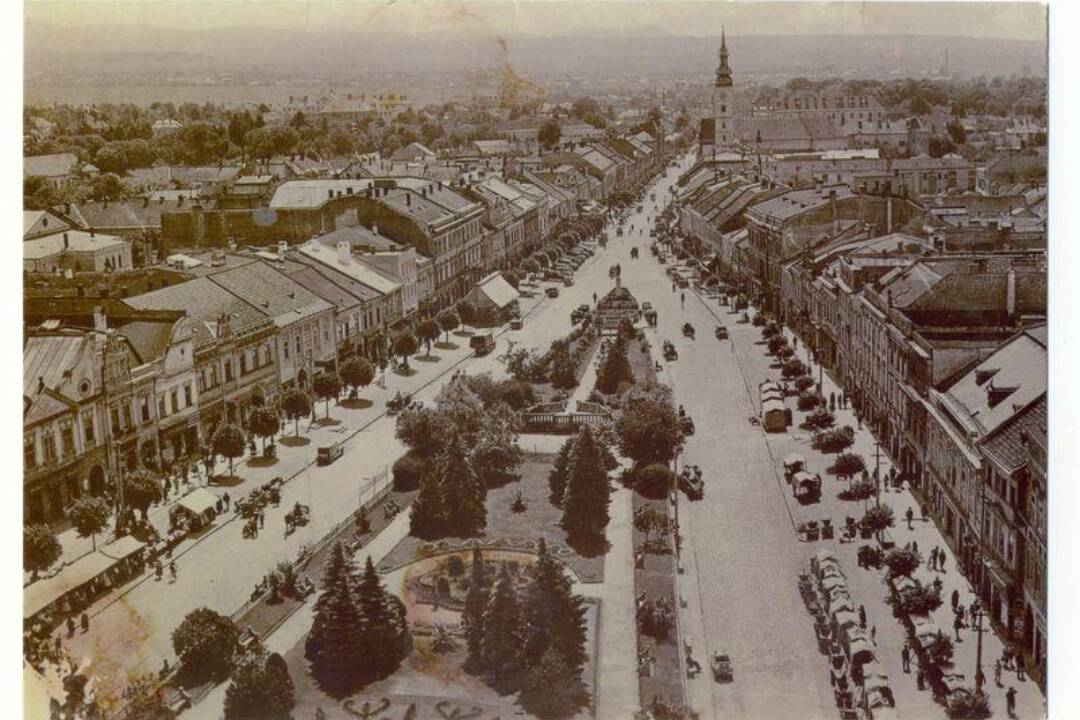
(137, 368)
(929, 312)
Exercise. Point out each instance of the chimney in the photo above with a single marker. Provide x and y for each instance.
(344, 251)
(91, 233)
(330, 193)
(161, 199)
(65, 241)
(41, 383)
(145, 201)
(282, 247)
(99, 319)
(180, 201)
(1010, 295)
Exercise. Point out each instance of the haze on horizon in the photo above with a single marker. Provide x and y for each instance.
(553, 18)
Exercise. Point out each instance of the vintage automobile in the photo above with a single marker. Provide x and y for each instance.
(329, 453)
(670, 353)
(686, 423)
(552, 292)
(688, 330)
(721, 332)
(721, 667)
(516, 324)
(690, 482)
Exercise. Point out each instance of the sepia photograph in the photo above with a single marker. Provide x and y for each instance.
(337, 402)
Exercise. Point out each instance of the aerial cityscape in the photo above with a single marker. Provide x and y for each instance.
(474, 360)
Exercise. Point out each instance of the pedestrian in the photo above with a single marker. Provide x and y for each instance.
(938, 584)
(922, 508)
(1020, 666)
(920, 681)
(70, 627)
(262, 519)
(905, 658)
(172, 571)
(997, 672)
(873, 634)
(227, 500)
(957, 624)
(915, 546)
(962, 615)
(910, 515)
(832, 402)
(1006, 657)
(972, 609)
(164, 668)
(158, 569)
(941, 561)
(57, 644)
(1010, 701)
(84, 622)
(955, 599)
(862, 616)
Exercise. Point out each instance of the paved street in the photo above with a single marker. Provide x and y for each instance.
(739, 537)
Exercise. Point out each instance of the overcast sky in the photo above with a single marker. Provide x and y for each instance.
(506, 18)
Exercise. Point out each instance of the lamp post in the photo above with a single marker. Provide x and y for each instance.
(978, 613)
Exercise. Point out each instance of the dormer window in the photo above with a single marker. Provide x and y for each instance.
(996, 394)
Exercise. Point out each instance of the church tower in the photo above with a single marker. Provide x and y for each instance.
(724, 98)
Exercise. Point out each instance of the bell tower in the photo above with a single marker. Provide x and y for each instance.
(724, 97)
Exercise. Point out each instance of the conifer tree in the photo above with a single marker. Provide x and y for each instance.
(588, 491)
(560, 472)
(476, 601)
(500, 647)
(427, 518)
(552, 689)
(336, 645)
(462, 491)
(380, 634)
(554, 616)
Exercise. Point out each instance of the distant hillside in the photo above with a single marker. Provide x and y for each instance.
(52, 50)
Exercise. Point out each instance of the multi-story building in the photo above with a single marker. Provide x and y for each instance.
(65, 450)
(979, 488)
(235, 359)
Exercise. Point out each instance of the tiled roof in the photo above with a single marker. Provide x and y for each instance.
(320, 285)
(50, 358)
(271, 292)
(352, 286)
(1006, 446)
(205, 302)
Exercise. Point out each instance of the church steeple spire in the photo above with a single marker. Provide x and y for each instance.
(723, 71)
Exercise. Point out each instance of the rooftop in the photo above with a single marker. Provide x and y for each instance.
(77, 241)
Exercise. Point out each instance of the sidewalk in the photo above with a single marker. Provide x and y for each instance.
(290, 459)
(1030, 702)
